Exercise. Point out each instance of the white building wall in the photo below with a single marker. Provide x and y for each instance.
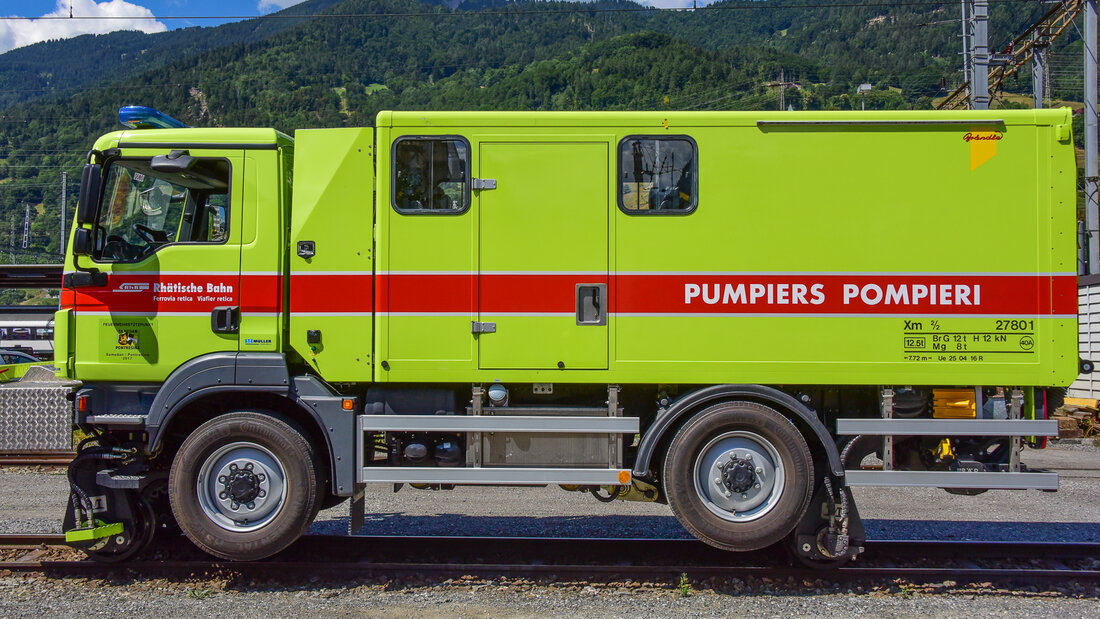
(1088, 337)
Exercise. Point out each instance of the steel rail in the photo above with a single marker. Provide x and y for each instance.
(340, 556)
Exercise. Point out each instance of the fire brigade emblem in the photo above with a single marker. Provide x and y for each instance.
(127, 340)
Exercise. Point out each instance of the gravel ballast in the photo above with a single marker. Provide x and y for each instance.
(31, 500)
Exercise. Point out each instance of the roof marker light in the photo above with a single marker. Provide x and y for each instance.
(142, 117)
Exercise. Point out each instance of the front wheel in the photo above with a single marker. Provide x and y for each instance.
(243, 486)
(738, 476)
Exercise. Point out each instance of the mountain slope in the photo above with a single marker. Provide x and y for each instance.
(69, 65)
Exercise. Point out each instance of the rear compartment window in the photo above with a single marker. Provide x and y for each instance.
(657, 175)
(431, 175)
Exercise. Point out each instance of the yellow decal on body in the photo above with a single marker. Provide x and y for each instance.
(983, 145)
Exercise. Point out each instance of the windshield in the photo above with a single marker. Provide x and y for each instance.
(143, 209)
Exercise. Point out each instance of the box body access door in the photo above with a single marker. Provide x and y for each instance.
(542, 277)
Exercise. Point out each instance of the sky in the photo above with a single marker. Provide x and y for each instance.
(18, 33)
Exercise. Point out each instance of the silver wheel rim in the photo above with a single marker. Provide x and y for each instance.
(232, 467)
(768, 476)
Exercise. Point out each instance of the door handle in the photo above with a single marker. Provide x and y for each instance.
(591, 304)
(225, 319)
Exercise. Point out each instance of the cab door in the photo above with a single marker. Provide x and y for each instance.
(170, 244)
(543, 270)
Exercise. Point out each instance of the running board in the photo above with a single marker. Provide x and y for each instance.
(493, 476)
(497, 423)
(947, 427)
(953, 479)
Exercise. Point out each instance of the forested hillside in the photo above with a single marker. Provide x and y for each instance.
(328, 70)
(90, 61)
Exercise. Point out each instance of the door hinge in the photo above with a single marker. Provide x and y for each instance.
(484, 183)
(483, 327)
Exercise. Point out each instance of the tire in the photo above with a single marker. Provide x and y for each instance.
(774, 492)
(243, 486)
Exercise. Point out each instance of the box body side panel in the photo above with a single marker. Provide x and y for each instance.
(818, 254)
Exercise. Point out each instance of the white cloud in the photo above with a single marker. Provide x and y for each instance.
(266, 6)
(19, 32)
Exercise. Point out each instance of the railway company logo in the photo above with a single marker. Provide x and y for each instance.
(127, 340)
(983, 136)
(132, 287)
(983, 145)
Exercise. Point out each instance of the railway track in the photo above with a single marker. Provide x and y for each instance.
(41, 458)
(582, 559)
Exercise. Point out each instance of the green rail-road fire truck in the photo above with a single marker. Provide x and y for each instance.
(742, 315)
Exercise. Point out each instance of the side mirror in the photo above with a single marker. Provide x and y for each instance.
(82, 242)
(90, 180)
(175, 161)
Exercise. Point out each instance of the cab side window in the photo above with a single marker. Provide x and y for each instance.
(431, 175)
(144, 209)
(658, 175)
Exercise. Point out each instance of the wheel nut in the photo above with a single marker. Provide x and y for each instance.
(748, 456)
(744, 496)
(757, 486)
(759, 471)
(251, 505)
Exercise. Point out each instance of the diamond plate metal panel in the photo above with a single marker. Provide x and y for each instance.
(36, 416)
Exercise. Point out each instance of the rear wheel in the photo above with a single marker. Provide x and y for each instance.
(243, 486)
(738, 475)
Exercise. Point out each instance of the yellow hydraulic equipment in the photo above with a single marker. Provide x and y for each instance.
(954, 404)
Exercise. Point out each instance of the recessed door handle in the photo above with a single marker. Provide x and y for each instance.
(225, 319)
(591, 304)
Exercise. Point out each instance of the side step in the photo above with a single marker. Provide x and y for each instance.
(1013, 428)
(500, 476)
(117, 419)
(947, 427)
(509, 445)
(953, 479)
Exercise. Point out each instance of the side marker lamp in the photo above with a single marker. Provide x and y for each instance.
(348, 404)
(82, 403)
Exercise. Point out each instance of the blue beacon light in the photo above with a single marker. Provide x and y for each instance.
(142, 117)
